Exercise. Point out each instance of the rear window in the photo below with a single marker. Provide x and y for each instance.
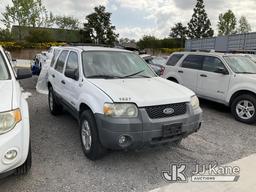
(4, 72)
(174, 59)
(193, 62)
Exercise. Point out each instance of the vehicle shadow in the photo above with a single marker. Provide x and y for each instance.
(214, 106)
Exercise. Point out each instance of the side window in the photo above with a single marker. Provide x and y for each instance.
(72, 66)
(174, 59)
(211, 64)
(54, 57)
(193, 62)
(61, 61)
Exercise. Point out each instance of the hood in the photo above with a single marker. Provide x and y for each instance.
(250, 76)
(6, 95)
(143, 91)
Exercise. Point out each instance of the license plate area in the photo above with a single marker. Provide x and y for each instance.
(172, 129)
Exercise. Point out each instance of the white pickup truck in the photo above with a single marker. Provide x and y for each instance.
(15, 150)
(225, 78)
(118, 100)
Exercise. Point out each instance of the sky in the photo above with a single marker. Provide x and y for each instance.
(135, 18)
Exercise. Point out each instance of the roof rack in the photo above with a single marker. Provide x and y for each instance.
(89, 44)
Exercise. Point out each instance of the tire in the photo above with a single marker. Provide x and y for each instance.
(176, 143)
(173, 80)
(54, 106)
(90, 141)
(23, 169)
(243, 108)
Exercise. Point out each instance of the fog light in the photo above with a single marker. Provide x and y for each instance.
(10, 155)
(122, 140)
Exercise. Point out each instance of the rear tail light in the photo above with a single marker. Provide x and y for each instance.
(162, 71)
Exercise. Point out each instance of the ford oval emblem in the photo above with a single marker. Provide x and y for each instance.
(168, 111)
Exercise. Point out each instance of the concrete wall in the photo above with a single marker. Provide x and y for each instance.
(27, 54)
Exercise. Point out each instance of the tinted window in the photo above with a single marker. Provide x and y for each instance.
(211, 64)
(72, 62)
(174, 59)
(54, 57)
(193, 62)
(4, 73)
(61, 61)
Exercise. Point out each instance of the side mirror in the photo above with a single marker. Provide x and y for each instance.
(222, 70)
(23, 73)
(72, 73)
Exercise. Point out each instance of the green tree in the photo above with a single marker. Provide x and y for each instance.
(200, 25)
(178, 31)
(227, 23)
(5, 35)
(244, 26)
(148, 41)
(39, 36)
(26, 13)
(66, 22)
(99, 26)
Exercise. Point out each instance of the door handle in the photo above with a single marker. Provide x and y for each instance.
(53, 75)
(63, 82)
(203, 75)
(180, 71)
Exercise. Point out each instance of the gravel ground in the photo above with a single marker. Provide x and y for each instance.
(59, 163)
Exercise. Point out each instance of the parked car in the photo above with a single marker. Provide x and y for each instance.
(224, 78)
(41, 85)
(15, 148)
(118, 100)
(36, 65)
(154, 64)
(159, 60)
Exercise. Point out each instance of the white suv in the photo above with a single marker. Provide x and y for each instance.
(15, 150)
(225, 78)
(119, 101)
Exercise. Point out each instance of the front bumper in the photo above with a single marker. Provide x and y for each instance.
(143, 131)
(17, 139)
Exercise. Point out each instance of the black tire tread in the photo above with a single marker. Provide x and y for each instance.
(97, 150)
(57, 108)
(25, 167)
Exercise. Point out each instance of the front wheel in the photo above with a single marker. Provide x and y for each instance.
(23, 169)
(91, 144)
(54, 106)
(244, 108)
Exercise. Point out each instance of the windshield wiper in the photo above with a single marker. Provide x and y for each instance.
(131, 75)
(103, 77)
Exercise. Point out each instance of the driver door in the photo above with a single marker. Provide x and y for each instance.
(212, 84)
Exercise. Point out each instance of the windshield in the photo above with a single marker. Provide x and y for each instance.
(241, 64)
(159, 61)
(4, 74)
(113, 64)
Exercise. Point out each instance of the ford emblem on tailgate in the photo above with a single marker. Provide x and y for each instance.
(168, 111)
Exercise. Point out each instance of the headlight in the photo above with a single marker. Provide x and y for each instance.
(194, 102)
(8, 120)
(120, 110)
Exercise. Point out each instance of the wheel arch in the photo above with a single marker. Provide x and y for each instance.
(84, 107)
(240, 92)
(174, 79)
